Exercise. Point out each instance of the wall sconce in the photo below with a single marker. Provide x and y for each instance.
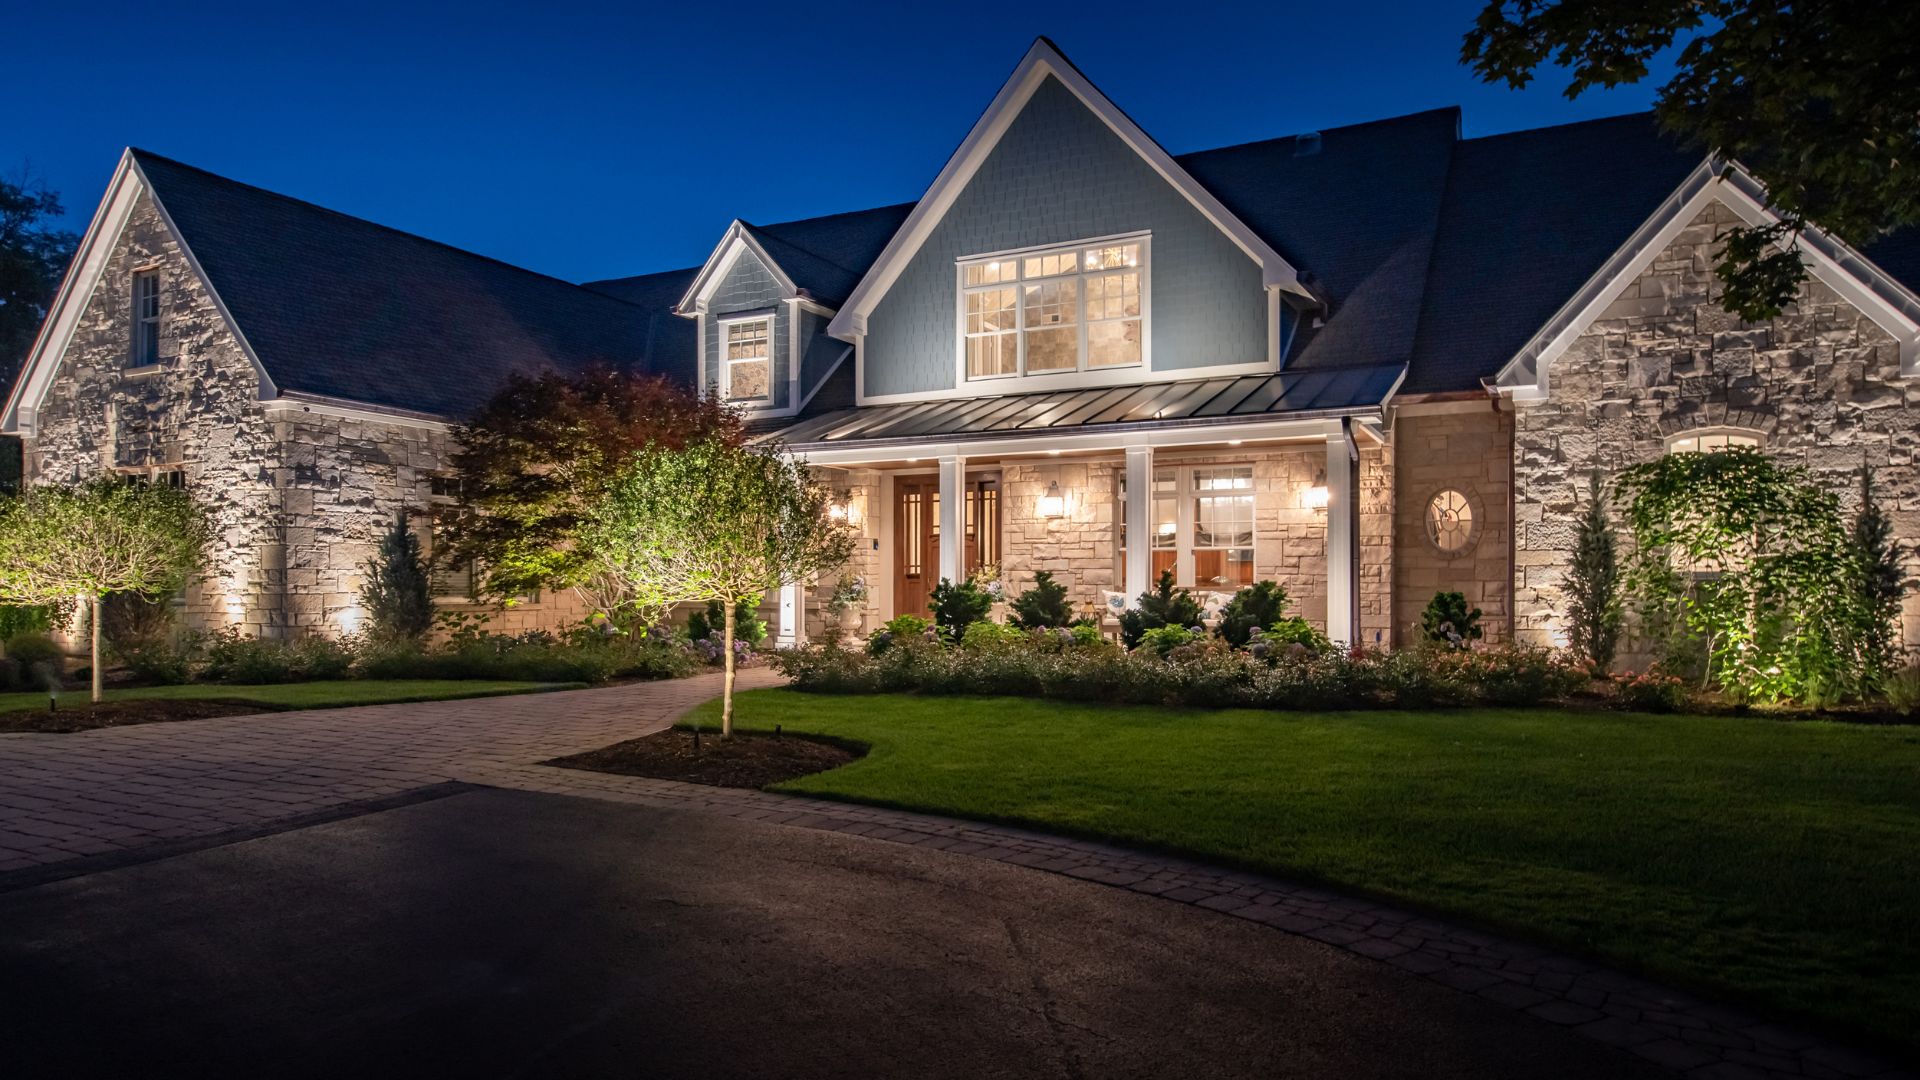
(841, 508)
(1315, 497)
(1052, 504)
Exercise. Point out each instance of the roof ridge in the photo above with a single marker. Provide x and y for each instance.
(140, 154)
(1638, 114)
(1455, 109)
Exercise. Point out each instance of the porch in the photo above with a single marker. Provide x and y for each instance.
(1305, 500)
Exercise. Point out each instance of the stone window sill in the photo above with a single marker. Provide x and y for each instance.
(147, 369)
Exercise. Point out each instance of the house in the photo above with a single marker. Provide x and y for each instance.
(1370, 362)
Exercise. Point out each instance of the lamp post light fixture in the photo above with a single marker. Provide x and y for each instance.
(1052, 504)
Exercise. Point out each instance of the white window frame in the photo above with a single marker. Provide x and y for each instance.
(1186, 523)
(725, 324)
(146, 328)
(1080, 373)
(1759, 437)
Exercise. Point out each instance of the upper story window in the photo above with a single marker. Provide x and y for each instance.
(1078, 307)
(146, 319)
(746, 351)
(1708, 440)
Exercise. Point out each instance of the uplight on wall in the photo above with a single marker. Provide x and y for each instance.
(1315, 497)
(1052, 504)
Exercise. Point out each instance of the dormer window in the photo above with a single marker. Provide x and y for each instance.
(1049, 311)
(746, 368)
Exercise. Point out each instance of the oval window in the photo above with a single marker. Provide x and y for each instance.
(1450, 522)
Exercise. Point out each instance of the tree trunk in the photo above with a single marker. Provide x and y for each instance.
(99, 605)
(726, 685)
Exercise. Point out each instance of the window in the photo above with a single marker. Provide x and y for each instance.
(1046, 312)
(146, 319)
(747, 368)
(1450, 522)
(167, 476)
(1202, 524)
(1706, 441)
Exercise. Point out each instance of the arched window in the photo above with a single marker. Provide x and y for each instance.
(1709, 440)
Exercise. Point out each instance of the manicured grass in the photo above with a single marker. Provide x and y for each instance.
(311, 695)
(1770, 861)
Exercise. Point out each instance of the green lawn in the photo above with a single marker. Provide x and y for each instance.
(311, 695)
(1770, 861)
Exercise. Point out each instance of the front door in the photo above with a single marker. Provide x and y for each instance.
(916, 522)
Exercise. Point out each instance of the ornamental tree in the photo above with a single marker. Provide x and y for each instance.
(713, 522)
(397, 592)
(1593, 584)
(1817, 99)
(1879, 582)
(539, 455)
(1743, 553)
(62, 544)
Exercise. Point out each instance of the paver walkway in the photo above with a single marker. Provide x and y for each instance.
(64, 797)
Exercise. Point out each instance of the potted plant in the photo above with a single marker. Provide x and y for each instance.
(849, 601)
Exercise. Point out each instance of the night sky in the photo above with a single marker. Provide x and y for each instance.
(598, 140)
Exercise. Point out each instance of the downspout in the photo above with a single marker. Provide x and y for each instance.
(1513, 524)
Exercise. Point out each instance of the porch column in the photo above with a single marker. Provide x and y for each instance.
(953, 520)
(1343, 535)
(793, 616)
(1139, 568)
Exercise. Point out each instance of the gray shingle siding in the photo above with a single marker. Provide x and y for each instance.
(818, 352)
(1060, 175)
(749, 286)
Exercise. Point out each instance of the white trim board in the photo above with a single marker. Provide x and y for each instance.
(1041, 61)
(1835, 264)
(83, 280)
(727, 252)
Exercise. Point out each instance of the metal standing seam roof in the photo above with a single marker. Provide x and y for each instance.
(1286, 395)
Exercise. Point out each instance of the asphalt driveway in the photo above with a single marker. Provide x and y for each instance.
(510, 933)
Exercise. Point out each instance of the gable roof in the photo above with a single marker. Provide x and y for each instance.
(339, 307)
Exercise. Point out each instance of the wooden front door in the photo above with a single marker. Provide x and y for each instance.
(916, 549)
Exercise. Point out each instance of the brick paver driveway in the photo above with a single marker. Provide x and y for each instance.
(96, 793)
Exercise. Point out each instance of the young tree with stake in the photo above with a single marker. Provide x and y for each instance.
(60, 544)
(715, 522)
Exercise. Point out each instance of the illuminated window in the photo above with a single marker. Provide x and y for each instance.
(1064, 309)
(146, 319)
(747, 351)
(1201, 521)
(1450, 522)
(1708, 440)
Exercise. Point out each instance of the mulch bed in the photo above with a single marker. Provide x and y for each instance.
(71, 718)
(747, 760)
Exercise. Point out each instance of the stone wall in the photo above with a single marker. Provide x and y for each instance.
(1457, 446)
(197, 410)
(1821, 382)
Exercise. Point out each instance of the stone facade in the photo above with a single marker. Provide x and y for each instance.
(1821, 384)
(1467, 447)
(298, 496)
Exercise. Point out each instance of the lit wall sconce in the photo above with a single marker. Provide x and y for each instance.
(1052, 504)
(841, 508)
(1315, 497)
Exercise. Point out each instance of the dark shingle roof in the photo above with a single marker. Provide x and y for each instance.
(1189, 401)
(341, 307)
(671, 342)
(1528, 218)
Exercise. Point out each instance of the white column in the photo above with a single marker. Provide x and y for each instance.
(953, 539)
(1139, 568)
(1343, 537)
(793, 616)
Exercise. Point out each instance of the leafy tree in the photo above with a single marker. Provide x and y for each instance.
(1162, 605)
(33, 256)
(1593, 584)
(713, 521)
(1817, 99)
(397, 593)
(1253, 608)
(1043, 607)
(1448, 619)
(537, 458)
(1742, 553)
(1879, 584)
(956, 607)
(61, 544)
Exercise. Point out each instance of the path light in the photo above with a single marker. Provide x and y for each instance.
(1052, 504)
(1315, 497)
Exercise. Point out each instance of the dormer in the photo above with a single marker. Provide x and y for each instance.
(1061, 248)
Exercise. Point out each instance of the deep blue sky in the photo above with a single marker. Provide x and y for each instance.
(597, 140)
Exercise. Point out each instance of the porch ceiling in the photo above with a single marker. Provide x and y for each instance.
(1286, 395)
